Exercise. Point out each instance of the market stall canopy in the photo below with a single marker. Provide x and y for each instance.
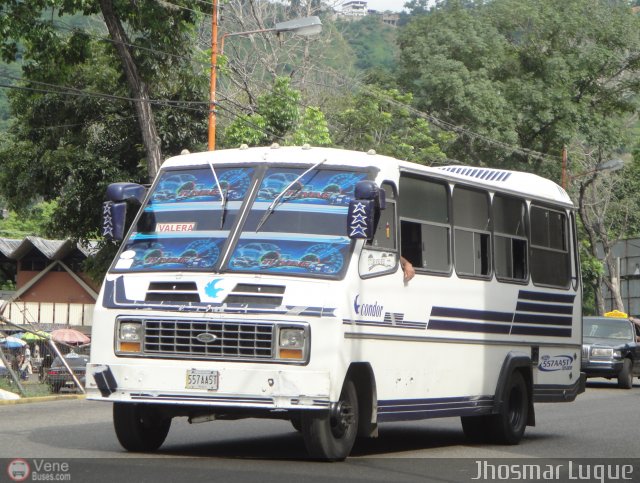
(32, 337)
(70, 336)
(11, 342)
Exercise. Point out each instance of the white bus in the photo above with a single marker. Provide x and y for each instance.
(266, 283)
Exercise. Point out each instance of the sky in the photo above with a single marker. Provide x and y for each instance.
(393, 5)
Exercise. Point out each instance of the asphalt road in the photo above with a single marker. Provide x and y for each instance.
(601, 423)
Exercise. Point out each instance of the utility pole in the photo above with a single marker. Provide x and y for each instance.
(214, 66)
(564, 167)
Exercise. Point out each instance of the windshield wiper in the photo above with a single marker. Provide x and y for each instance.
(223, 197)
(276, 201)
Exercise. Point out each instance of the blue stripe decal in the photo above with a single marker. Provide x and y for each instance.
(544, 308)
(373, 323)
(115, 298)
(471, 314)
(460, 326)
(537, 313)
(525, 318)
(409, 409)
(545, 331)
(546, 297)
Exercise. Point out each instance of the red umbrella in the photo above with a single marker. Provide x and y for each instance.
(69, 336)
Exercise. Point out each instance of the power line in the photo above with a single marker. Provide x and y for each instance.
(442, 124)
(72, 91)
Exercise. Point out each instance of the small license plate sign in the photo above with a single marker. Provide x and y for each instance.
(200, 379)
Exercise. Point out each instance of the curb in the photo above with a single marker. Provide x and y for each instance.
(27, 400)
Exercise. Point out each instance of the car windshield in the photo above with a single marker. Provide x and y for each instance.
(296, 223)
(602, 328)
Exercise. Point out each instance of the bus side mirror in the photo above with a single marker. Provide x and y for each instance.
(114, 211)
(126, 192)
(362, 210)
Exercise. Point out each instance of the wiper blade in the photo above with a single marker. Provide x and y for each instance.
(223, 194)
(277, 199)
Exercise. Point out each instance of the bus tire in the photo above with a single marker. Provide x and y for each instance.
(139, 427)
(507, 427)
(625, 377)
(331, 437)
(476, 428)
(296, 422)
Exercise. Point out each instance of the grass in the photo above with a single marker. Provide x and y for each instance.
(32, 389)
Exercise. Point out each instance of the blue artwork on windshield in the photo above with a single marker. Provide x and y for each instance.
(200, 185)
(324, 187)
(290, 256)
(170, 253)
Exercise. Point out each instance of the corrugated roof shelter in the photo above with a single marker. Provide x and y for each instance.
(49, 270)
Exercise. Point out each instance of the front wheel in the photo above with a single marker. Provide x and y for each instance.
(332, 435)
(140, 427)
(625, 377)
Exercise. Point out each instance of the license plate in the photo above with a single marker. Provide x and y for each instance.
(199, 379)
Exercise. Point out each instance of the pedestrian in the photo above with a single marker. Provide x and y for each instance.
(27, 360)
(19, 365)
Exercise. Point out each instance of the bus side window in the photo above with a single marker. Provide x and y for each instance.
(471, 234)
(550, 256)
(423, 207)
(510, 251)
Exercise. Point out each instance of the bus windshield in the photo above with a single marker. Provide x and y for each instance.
(186, 226)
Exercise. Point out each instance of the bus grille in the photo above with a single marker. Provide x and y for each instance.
(208, 339)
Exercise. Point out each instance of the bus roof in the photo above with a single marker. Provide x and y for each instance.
(518, 183)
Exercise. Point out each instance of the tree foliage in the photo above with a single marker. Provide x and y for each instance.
(279, 118)
(373, 43)
(380, 119)
(75, 128)
(534, 75)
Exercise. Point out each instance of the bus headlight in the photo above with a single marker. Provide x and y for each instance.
(292, 343)
(129, 337)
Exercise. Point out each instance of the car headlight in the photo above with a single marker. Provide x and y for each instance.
(292, 343)
(602, 352)
(129, 337)
(617, 354)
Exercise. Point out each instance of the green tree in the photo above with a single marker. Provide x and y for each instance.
(373, 43)
(279, 118)
(75, 128)
(534, 75)
(162, 31)
(381, 120)
(34, 220)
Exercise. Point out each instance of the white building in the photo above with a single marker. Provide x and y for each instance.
(354, 8)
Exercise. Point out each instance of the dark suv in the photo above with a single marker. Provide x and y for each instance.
(58, 376)
(610, 349)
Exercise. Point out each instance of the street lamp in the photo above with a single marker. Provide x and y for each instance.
(609, 165)
(303, 26)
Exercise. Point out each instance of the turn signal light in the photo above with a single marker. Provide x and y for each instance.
(130, 347)
(291, 354)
